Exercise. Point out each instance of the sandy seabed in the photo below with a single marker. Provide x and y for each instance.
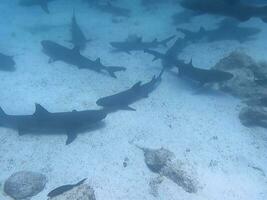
(226, 155)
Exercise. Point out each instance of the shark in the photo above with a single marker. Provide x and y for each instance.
(112, 9)
(229, 8)
(7, 63)
(69, 122)
(57, 52)
(227, 30)
(122, 100)
(78, 38)
(202, 76)
(42, 3)
(169, 58)
(135, 43)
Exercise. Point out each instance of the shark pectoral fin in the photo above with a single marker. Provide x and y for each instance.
(71, 136)
(137, 85)
(44, 6)
(129, 108)
(155, 58)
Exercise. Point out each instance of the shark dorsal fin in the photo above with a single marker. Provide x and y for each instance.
(40, 110)
(191, 63)
(139, 39)
(76, 50)
(137, 85)
(202, 29)
(97, 61)
(155, 40)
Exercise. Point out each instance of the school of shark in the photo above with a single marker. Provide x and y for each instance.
(74, 50)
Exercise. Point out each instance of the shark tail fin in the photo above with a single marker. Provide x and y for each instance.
(165, 42)
(44, 6)
(111, 70)
(156, 54)
(73, 14)
(80, 182)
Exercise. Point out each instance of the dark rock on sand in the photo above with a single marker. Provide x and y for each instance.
(24, 184)
(253, 116)
(82, 192)
(162, 161)
(244, 68)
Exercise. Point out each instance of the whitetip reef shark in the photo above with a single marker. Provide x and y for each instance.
(42, 3)
(57, 52)
(41, 119)
(122, 100)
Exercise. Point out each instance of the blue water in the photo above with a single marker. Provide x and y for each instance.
(202, 129)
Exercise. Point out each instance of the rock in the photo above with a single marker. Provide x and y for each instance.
(82, 192)
(156, 159)
(162, 161)
(154, 185)
(24, 184)
(179, 176)
(253, 116)
(244, 68)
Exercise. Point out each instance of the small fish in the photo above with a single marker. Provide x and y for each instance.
(64, 188)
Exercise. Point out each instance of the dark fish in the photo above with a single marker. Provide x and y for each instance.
(203, 76)
(169, 59)
(227, 30)
(7, 63)
(230, 8)
(64, 188)
(134, 43)
(42, 3)
(113, 10)
(41, 119)
(122, 100)
(262, 82)
(57, 52)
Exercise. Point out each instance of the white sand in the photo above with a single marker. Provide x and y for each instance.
(174, 116)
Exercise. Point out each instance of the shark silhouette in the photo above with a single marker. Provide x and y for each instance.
(42, 3)
(57, 52)
(122, 100)
(41, 119)
(230, 8)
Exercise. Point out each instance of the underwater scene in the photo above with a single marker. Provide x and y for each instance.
(133, 99)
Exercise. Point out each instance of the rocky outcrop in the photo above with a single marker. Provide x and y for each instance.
(162, 162)
(82, 192)
(253, 116)
(245, 71)
(24, 184)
